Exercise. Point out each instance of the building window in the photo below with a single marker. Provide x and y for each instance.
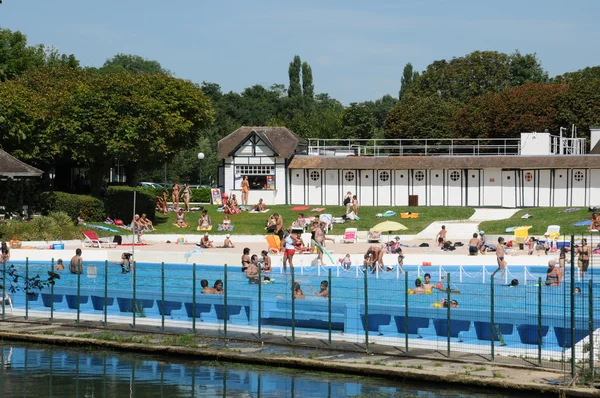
(315, 175)
(419, 176)
(455, 176)
(384, 176)
(260, 177)
(578, 176)
(349, 176)
(528, 176)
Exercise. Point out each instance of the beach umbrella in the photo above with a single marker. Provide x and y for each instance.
(388, 226)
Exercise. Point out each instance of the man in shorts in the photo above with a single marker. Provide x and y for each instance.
(290, 250)
(500, 257)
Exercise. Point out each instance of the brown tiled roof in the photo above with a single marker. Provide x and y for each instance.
(12, 167)
(283, 141)
(445, 162)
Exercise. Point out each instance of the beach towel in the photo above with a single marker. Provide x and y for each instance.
(318, 209)
(584, 223)
(526, 215)
(510, 229)
(258, 212)
(204, 228)
(225, 228)
(300, 208)
(570, 210)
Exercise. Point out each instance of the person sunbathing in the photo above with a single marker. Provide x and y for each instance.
(205, 242)
(147, 223)
(180, 220)
(204, 222)
(230, 208)
(225, 224)
(228, 243)
(260, 206)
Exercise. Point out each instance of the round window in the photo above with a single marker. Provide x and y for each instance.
(384, 176)
(528, 176)
(315, 175)
(419, 176)
(578, 176)
(455, 176)
(349, 176)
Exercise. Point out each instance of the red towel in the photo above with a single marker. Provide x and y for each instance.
(300, 208)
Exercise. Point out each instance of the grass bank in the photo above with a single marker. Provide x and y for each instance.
(247, 223)
(541, 218)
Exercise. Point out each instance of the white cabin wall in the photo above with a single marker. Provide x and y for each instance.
(454, 187)
(544, 189)
(560, 180)
(367, 193)
(349, 183)
(418, 185)
(594, 187)
(492, 187)
(383, 196)
(298, 187)
(436, 188)
(509, 188)
(578, 194)
(529, 181)
(474, 187)
(315, 181)
(400, 190)
(332, 188)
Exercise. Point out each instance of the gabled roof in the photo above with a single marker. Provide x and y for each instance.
(446, 162)
(280, 139)
(12, 167)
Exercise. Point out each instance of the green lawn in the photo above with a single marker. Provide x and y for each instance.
(542, 217)
(254, 224)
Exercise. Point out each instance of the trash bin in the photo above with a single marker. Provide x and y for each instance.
(413, 200)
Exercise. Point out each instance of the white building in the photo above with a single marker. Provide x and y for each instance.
(539, 169)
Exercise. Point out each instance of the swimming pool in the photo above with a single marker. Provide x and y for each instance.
(518, 316)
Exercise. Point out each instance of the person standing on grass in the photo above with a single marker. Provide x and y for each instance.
(175, 195)
(245, 189)
(500, 257)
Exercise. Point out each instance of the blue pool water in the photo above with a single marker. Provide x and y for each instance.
(42, 371)
(517, 310)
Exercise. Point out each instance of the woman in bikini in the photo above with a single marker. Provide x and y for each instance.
(266, 261)
(175, 195)
(166, 199)
(187, 195)
(180, 221)
(245, 259)
(583, 259)
(204, 222)
(245, 189)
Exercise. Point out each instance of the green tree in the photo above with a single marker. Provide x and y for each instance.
(295, 89)
(308, 88)
(407, 79)
(358, 122)
(421, 117)
(526, 68)
(133, 64)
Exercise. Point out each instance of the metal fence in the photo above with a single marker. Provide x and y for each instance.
(468, 313)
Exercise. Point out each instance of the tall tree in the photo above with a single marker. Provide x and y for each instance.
(133, 64)
(526, 68)
(308, 89)
(295, 89)
(358, 122)
(407, 79)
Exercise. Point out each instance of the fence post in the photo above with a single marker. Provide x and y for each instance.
(329, 302)
(50, 366)
(366, 323)
(79, 271)
(406, 311)
(260, 283)
(194, 298)
(293, 305)
(52, 293)
(162, 295)
(134, 304)
(572, 306)
(591, 326)
(26, 287)
(492, 315)
(105, 292)
(448, 315)
(3, 289)
(225, 293)
(539, 328)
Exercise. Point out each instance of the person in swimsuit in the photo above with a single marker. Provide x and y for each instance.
(175, 195)
(180, 221)
(245, 189)
(5, 250)
(187, 195)
(205, 242)
(148, 225)
(252, 271)
(205, 288)
(583, 260)
(218, 286)
(137, 227)
(166, 200)
(474, 244)
(290, 250)
(500, 257)
(245, 258)
(347, 203)
(482, 244)
(553, 275)
(59, 265)
(323, 292)
(376, 254)
(400, 259)
(441, 236)
(355, 205)
(562, 257)
(204, 222)
(227, 243)
(266, 261)
(297, 290)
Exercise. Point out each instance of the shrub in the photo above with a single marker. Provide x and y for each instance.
(58, 226)
(119, 203)
(88, 207)
(198, 194)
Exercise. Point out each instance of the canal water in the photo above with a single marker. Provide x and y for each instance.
(46, 371)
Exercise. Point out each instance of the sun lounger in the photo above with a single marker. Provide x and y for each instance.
(92, 240)
(274, 243)
(350, 235)
(374, 237)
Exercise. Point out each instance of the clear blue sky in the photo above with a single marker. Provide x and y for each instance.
(357, 49)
